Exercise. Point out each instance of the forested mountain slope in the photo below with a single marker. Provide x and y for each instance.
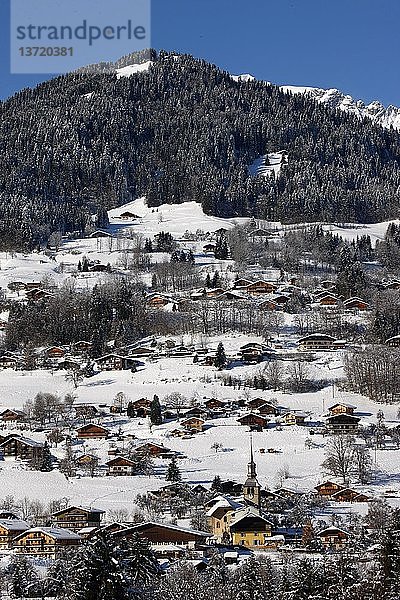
(184, 130)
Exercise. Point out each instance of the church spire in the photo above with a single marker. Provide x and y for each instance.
(251, 466)
(251, 488)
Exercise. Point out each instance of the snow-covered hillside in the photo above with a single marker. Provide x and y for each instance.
(384, 116)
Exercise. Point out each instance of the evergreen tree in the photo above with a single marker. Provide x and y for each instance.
(173, 472)
(46, 462)
(220, 357)
(155, 411)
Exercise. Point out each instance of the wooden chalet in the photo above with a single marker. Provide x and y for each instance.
(342, 408)
(115, 362)
(254, 421)
(141, 407)
(230, 295)
(10, 362)
(328, 488)
(214, 292)
(85, 460)
(333, 538)
(215, 403)
(253, 352)
(249, 528)
(355, 304)
(269, 304)
(11, 414)
(82, 347)
(162, 533)
(258, 288)
(328, 300)
(350, 495)
(45, 542)
(92, 431)
(158, 300)
(10, 529)
(193, 424)
(317, 341)
(128, 216)
(255, 403)
(155, 450)
(241, 283)
(54, 352)
(268, 409)
(209, 248)
(77, 517)
(120, 465)
(342, 424)
(141, 352)
(16, 446)
(99, 233)
(38, 294)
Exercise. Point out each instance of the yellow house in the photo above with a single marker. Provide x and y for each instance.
(219, 517)
(249, 528)
(46, 542)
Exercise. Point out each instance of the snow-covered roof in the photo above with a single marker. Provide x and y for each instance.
(14, 524)
(56, 533)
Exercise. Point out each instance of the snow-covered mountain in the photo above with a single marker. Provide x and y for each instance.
(377, 112)
(334, 98)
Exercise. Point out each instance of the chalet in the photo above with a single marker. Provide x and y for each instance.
(349, 495)
(7, 515)
(54, 352)
(82, 347)
(198, 293)
(355, 304)
(86, 459)
(214, 292)
(155, 450)
(163, 533)
(327, 284)
(68, 364)
(209, 248)
(393, 342)
(100, 268)
(253, 352)
(316, 341)
(115, 362)
(45, 542)
(294, 417)
(342, 408)
(193, 424)
(33, 285)
(77, 517)
(255, 403)
(269, 304)
(255, 422)
(219, 517)
(128, 216)
(23, 448)
(141, 407)
(333, 538)
(328, 488)
(179, 351)
(268, 409)
(158, 300)
(99, 233)
(9, 362)
(328, 300)
(141, 352)
(11, 414)
(92, 431)
(215, 403)
(230, 295)
(286, 493)
(249, 528)
(231, 487)
(342, 423)
(241, 283)
(259, 287)
(38, 294)
(9, 529)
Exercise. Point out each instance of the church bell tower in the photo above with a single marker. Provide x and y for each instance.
(251, 487)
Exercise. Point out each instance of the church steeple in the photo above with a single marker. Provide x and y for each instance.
(251, 487)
